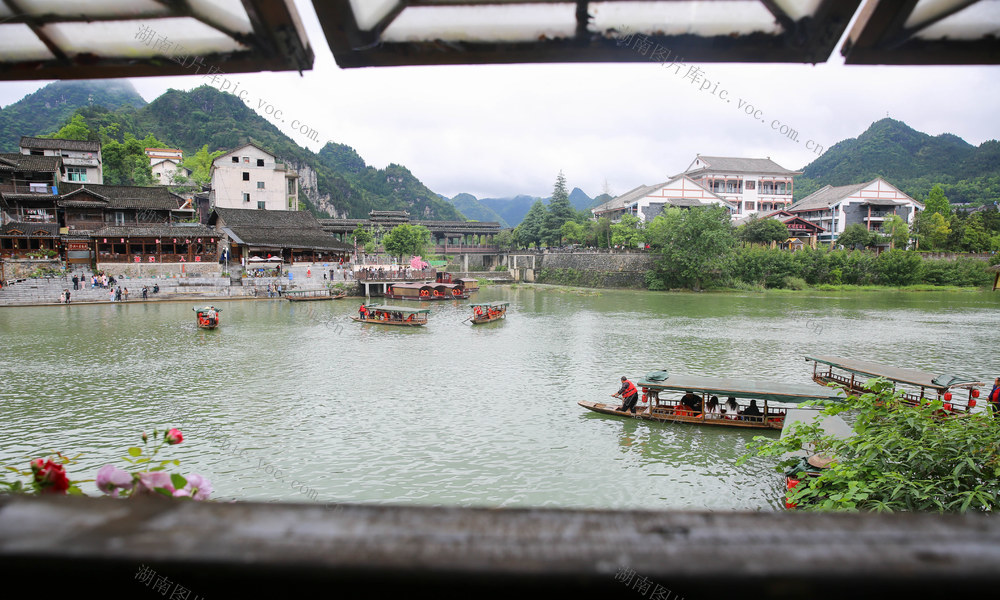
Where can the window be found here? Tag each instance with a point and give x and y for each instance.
(236, 159)
(119, 218)
(751, 185)
(291, 204)
(246, 175)
(291, 186)
(246, 196)
(260, 162)
(260, 205)
(76, 173)
(246, 159)
(260, 185)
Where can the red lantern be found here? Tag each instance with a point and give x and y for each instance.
(947, 406)
(972, 403)
(123, 240)
(947, 396)
(975, 393)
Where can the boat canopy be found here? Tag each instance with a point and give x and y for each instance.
(491, 304)
(742, 388)
(206, 309)
(913, 377)
(399, 309)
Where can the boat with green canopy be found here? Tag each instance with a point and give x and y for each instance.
(717, 402)
(487, 312)
(385, 314)
(852, 374)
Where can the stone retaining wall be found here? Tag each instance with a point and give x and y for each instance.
(22, 268)
(191, 269)
(611, 270)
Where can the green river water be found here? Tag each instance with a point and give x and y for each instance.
(294, 402)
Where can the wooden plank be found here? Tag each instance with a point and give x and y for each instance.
(261, 550)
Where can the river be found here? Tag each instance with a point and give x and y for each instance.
(294, 402)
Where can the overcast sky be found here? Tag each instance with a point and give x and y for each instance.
(509, 129)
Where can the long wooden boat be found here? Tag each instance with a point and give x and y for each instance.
(488, 312)
(309, 295)
(207, 317)
(852, 375)
(384, 314)
(426, 290)
(665, 398)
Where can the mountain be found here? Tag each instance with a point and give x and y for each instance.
(511, 210)
(473, 209)
(335, 182)
(911, 160)
(580, 200)
(46, 110)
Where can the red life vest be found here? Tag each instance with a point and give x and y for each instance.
(995, 396)
(630, 389)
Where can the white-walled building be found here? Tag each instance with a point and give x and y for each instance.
(165, 164)
(834, 208)
(251, 177)
(81, 158)
(647, 201)
(752, 184)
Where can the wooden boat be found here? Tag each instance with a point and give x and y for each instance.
(852, 375)
(426, 290)
(384, 314)
(207, 317)
(309, 295)
(488, 312)
(662, 400)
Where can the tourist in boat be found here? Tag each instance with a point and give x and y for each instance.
(362, 311)
(629, 395)
(752, 410)
(712, 408)
(994, 396)
(691, 401)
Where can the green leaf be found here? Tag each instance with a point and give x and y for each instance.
(135, 451)
(163, 491)
(178, 481)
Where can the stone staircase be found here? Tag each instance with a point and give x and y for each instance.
(47, 290)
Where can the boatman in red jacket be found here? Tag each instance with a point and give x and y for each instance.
(629, 395)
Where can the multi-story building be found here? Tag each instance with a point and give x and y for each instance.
(165, 164)
(81, 159)
(251, 177)
(834, 208)
(752, 185)
(647, 201)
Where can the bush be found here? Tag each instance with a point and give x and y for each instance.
(898, 267)
(961, 272)
(795, 283)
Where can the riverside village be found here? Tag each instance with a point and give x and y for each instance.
(593, 299)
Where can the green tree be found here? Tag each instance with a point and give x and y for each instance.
(406, 240)
(627, 232)
(937, 202)
(532, 227)
(200, 164)
(694, 243)
(75, 129)
(762, 231)
(559, 211)
(933, 230)
(600, 232)
(361, 236)
(898, 267)
(898, 231)
(901, 457)
(857, 236)
(975, 237)
(126, 163)
(504, 239)
(572, 232)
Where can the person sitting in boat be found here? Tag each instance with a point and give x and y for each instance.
(691, 401)
(732, 408)
(712, 408)
(752, 410)
(629, 395)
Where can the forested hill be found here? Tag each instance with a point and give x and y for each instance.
(335, 182)
(912, 161)
(46, 110)
(472, 208)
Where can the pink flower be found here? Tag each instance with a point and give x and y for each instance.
(198, 488)
(173, 437)
(110, 478)
(144, 438)
(149, 482)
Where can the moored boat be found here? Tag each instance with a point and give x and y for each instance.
(687, 399)
(488, 312)
(207, 317)
(384, 314)
(309, 295)
(852, 375)
(426, 290)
